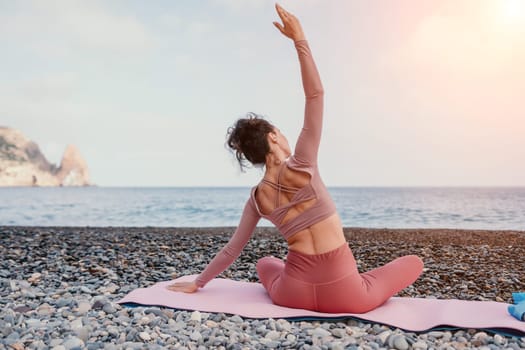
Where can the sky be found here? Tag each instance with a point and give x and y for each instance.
(417, 93)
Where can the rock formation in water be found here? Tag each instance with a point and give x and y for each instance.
(23, 164)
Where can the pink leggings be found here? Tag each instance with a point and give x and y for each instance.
(330, 282)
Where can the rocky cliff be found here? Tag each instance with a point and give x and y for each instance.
(23, 164)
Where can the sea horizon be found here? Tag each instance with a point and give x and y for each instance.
(454, 207)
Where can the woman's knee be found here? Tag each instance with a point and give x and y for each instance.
(411, 266)
(269, 268)
(403, 270)
(268, 263)
(415, 263)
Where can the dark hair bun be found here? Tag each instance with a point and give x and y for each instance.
(247, 139)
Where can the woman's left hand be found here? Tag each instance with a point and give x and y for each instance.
(291, 26)
(186, 287)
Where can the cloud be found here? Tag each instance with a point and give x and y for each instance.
(62, 26)
(58, 86)
(175, 23)
(47, 95)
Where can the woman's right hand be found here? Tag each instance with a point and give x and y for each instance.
(186, 287)
(291, 26)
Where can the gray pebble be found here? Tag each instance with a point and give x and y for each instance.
(320, 332)
(420, 345)
(83, 307)
(22, 309)
(196, 316)
(33, 323)
(272, 344)
(156, 312)
(98, 305)
(86, 290)
(83, 333)
(514, 346)
(339, 346)
(273, 335)
(291, 338)
(132, 334)
(73, 343)
(95, 346)
(144, 336)
(75, 324)
(400, 342)
(45, 310)
(195, 336)
(480, 335)
(283, 325)
(55, 342)
(13, 336)
(350, 340)
(383, 336)
(63, 302)
(236, 319)
(339, 332)
(435, 334)
(109, 308)
(499, 340)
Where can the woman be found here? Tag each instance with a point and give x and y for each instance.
(320, 271)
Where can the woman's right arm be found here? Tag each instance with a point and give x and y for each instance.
(227, 255)
(234, 247)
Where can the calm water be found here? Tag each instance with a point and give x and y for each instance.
(392, 207)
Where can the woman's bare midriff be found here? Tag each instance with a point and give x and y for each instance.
(322, 237)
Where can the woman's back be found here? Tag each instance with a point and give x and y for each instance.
(278, 190)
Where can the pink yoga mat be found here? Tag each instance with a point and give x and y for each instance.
(250, 300)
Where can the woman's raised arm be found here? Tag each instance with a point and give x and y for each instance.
(307, 146)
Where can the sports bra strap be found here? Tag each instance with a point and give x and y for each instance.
(280, 187)
(284, 188)
(278, 198)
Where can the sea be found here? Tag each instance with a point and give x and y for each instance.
(484, 208)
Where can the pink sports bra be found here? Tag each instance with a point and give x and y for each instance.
(322, 208)
(304, 159)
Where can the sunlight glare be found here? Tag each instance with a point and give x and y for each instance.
(514, 11)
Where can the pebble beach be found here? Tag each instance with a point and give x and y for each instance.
(59, 287)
